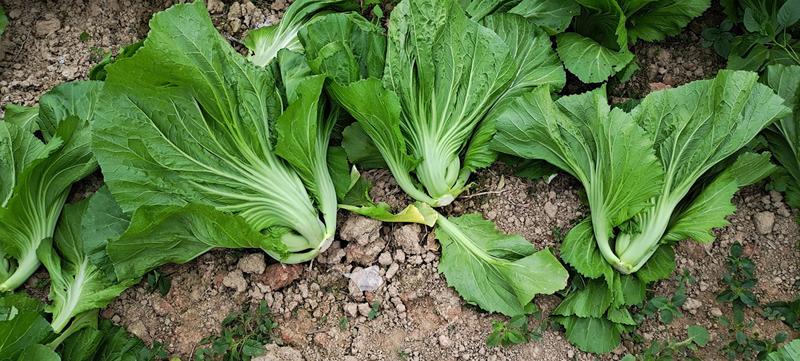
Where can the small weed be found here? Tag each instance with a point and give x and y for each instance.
(344, 323)
(244, 334)
(158, 281)
(403, 355)
(667, 307)
(558, 234)
(97, 55)
(697, 337)
(84, 37)
(374, 311)
(513, 332)
(788, 312)
(745, 346)
(740, 279)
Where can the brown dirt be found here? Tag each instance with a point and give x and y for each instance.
(420, 317)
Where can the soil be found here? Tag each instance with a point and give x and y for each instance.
(321, 316)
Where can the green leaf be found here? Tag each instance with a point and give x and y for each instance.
(25, 329)
(661, 18)
(595, 335)
(698, 334)
(588, 60)
(159, 235)
(24, 117)
(264, 43)
(39, 353)
(43, 174)
(783, 137)
(345, 47)
(579, 249)
(419, 212)
(497, 272)
(360, 148)
(659, 267)
(552, 15)
(709, 209)
(621, 316)
(82, 345)
(590, 301)
(3, 21)
(78, 284)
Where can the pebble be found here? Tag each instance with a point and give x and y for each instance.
(764, 221)
(550, 209)
(235, 280)
(351, 309)
(364, 309)
(252, 263)
(46, 27)
(385, 259)
(392, 271)
(444, 341)
(716, 312)
(407, 238)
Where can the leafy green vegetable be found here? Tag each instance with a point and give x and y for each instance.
(81, 276)
(35, 177)
(765, 36)
(226, 142)
(784, 136)
(666, 171)
(265, 42)
(426, 114)
(597, 48)
(429, 113)
(244, 334)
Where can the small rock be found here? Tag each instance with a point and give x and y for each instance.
(716, 312)
(138, 329)
(252, 263)
(162, 307)
(444, 341)
(215, 6)
(764, 222)
(367, 279)
(278, 276)
(235, 280)
(364, 309)
(692, 304)
(364, 255)
(278, 5)
(46, 27)
(351, 309)
(392, 271)
(550, 209)
(361, 230)
(385, 259)
(399, 256)
(407, 237)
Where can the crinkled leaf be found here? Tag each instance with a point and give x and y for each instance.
(590, 301)
(659, 266)
(497, 272)
(596, 335)
(588, 60)
(661, 18)
(24, 117)
(784, 136)
(552, 15)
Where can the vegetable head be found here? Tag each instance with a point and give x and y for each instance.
(187, 120)
(666, 171)
(429, 111)
(35, 177)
